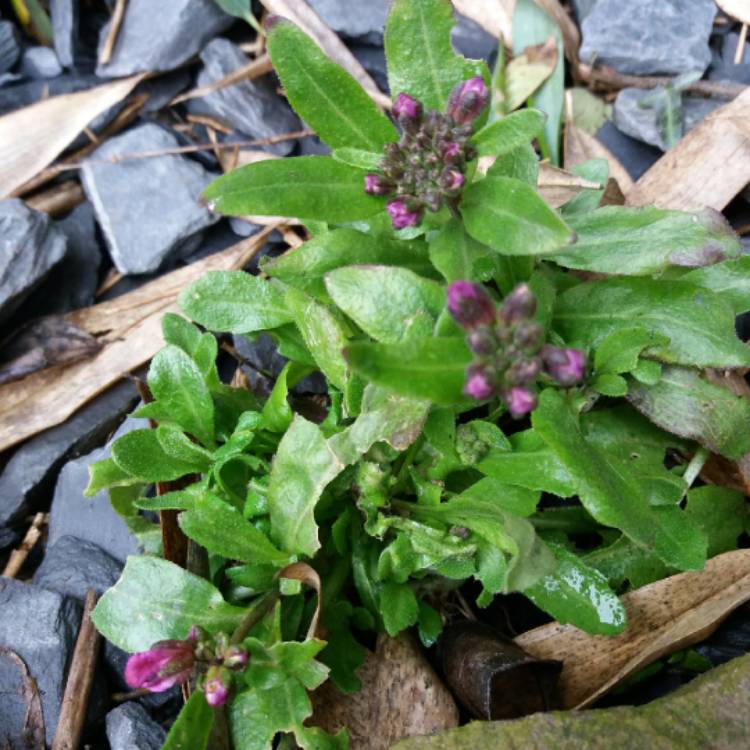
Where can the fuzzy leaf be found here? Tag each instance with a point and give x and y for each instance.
(730, 279)
(192, 728)
(511, 131)
(458, 256)
(398, 606)
(140, 454)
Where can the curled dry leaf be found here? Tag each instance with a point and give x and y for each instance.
(708, 167)
(31, 137)
(401, 697)
(306, 574)
(663, 617)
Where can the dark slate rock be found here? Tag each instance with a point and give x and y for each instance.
(23, 94)
(250, 107)
(313, 146)
(162, 89)
(372, 58)
(41, 627)
(159, 36)
(30, 246)
(29, 475)
(72, 566)
(40, 62)
(10, 48)
(92, 519)
(354, 19)
(146, 225)
(582, 8)
(471, 40)
(243, 227)
(641, 122)
(129, 727)
(64, 17)
(643, 37)
(723, 67)
(634, 155)
(8, 78)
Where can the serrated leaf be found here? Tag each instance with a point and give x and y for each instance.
(730, 279)
(140, 454)
(421, 60)
(643, 241)
(511, 131)
(235, 302)
(610, 385)
(521, 163)
(722, 513)
(509, 216)
(699, 325)
(398, 607)
(324, 95)
(305, 187)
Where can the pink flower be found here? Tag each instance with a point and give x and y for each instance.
(376, 185)
(520, 401)
(566, 366)
(165, 664)
(478, 385)
(400, 214)
(216, 687)
(470, 305)
(467, 100)
(451, 152)
(406, 109)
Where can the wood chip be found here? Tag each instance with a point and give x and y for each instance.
(580, 147)
(494, 16)
(32, 137)
(663, 617)
(708, 167)
(129, 327)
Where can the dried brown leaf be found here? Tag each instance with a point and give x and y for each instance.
(309, 576)
(401, 697)
(33, 730)
(580, 147)
(708, 167)
(739, 9)
(31, 137)
(494, 16)
(663, 617)
(557, 186)
(526, 72)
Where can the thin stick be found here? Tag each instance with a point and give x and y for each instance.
(114, 30)
(59, 199)
(80, 679)
(740, 51)
(18, 556)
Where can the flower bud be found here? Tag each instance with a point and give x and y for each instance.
(520, 401)
(528, 336)
(400, 214)
(519, 304)
(376, 185)
(566, 366)
(479, 383)
(407, 110)
(467, 100)
(482, 342)
(470, 305)
(453, 180)
(216, 687)
(451, 153)
(523, 371)
(235, 657)
(165, 664)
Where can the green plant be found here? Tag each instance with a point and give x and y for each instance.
(438, 301)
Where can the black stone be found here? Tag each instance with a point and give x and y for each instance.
(723, 67)
(363, 20)
(162, 89)
(372, 58)
(160, 36)
(10, 48)
(72, 566)
(40, 62)
(129, 727)
(64, 17)
(19, 95)
(249, 107)
(29, 475)
(30, 246)
(634, 155)
(473, 41)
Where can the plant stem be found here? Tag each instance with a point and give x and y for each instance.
(254, 616)
(697, 462)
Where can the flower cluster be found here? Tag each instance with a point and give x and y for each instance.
(426, 168)
(508, 346)
(169, 663)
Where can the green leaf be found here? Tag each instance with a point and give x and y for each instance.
(611, 494)
(610, 385)
(235, 302)
(699, 325)
(511, 131)
(645, 241)
(519, 501)
(324, 95)
(304, 464)
(387, 302)
(356, 157)
(619, 352)
(277, 413)
(421, 60)
(140, 454)
(192, 728)
(323, 333)
(305, 187)
(156, 600)
(424, 368)
(722, 513)
(595, 170)
(430, 624)
(509, 216)
(457, 255)
(398, 606)
(684, 403)
(730, 279)
(179, 446)
(521, 163)
(178, 386)
(105, 474)
(578, 594)
(623, 563)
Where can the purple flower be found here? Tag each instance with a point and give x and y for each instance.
(519, 304)
(520, 401)
(451, 152)
(400, 214)
(376, 185)
(454, 180)
(165, 664)
(407, 110)
(467, 100)
(478, 384)
(216, 687)
(235, 657)
(566, 366)
(470, 305)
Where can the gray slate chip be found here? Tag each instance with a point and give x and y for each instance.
(41, 627)
(71, 566)
(40, 62)
(10, 48)
(64, 18)
(30, 473)
(471, 40)
(162, 35)
(129, 727)
(30, 246)
(644, 37)
(147, 207)
(363, 20)
(250, 107)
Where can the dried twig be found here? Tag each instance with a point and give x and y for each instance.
(109, 45)
(80, 679)
(18, 556)
(59, 199)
